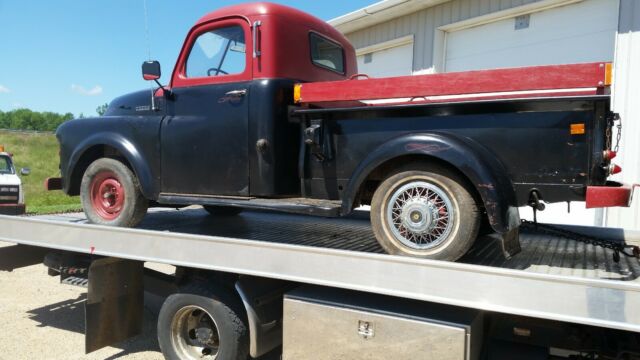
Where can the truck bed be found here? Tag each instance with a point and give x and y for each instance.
(552, 278)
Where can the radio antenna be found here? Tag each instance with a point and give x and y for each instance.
(148, 41)
(146, 29)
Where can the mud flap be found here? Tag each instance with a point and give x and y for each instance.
(510, 242)
(262, 299)
(115, 301)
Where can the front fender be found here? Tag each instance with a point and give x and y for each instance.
(126, 148)
(481, 168)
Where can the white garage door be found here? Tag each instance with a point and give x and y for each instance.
(575, 33)
(389, 61)
(580, 32)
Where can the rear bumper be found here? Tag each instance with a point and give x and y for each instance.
(12, 209)
(612, 195)
(53, 183)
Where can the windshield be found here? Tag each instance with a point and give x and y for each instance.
(6, 167)
(217, 53)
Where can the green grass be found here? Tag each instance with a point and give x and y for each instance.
(39, 152)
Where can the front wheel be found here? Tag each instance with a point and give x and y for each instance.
(428, 212)
(111, 195)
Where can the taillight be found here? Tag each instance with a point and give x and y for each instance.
(614, 169)
(609, 155)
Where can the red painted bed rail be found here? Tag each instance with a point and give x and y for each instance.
(537, 81)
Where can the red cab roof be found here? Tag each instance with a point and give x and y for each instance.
(283, 40)
(258, 9)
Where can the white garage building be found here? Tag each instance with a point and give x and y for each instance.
(404, 37)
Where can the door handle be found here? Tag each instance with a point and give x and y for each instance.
(237, 93)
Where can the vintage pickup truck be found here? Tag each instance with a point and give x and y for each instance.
(265, 109)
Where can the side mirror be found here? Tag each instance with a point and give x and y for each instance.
(151, 70)
(25, 171)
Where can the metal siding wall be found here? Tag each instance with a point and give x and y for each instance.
(423, 24)
(626, 93)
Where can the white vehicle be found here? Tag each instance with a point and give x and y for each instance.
(11, 191)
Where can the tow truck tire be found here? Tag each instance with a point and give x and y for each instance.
(110, 194)
(201, 322)
(425, 211)
(222, 210)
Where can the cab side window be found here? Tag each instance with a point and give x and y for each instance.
(326, 54)
(217, 52)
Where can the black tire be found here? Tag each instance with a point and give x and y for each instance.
(450, 241)
(133, 207)
(222, 210)
(222, 306)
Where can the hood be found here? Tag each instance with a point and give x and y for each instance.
(10, 179)
(133, 104)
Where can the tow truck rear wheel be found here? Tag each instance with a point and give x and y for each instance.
(110, 194)
(203, 322)
(222, 210)
(426, 211)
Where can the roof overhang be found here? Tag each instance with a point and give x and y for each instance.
(380, 12)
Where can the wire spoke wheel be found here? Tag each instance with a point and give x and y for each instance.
(420, 215)
(426, 211)
(194, 334)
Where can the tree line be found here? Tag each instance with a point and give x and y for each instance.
(25, 119)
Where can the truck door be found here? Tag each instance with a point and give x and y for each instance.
(204, 143)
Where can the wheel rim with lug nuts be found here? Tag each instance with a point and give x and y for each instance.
(420, 215)
(194, 334)
(107, 195)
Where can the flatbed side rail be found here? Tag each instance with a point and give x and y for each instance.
(512, 83)
(609, 304)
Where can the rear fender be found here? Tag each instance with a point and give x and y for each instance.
(123, 146)
(480, 167)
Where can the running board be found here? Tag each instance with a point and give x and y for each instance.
(317, 207)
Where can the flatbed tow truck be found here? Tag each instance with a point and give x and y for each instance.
(315, 288)
(305, 287)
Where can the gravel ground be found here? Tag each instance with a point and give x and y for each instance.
(41, 319)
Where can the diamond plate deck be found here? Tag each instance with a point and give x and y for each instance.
(540, 253)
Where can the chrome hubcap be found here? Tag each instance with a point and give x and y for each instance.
(420, 215)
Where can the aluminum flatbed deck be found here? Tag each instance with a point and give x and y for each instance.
(552, 278)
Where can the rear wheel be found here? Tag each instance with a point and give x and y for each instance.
(203, 322)
(111, 195)
(222, 210)
(425, 212)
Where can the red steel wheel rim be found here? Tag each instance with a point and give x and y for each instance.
(107, 195)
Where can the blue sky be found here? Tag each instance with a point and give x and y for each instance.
(73, 55)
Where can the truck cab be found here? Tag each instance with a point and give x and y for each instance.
(230, 91)
(11, 190)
